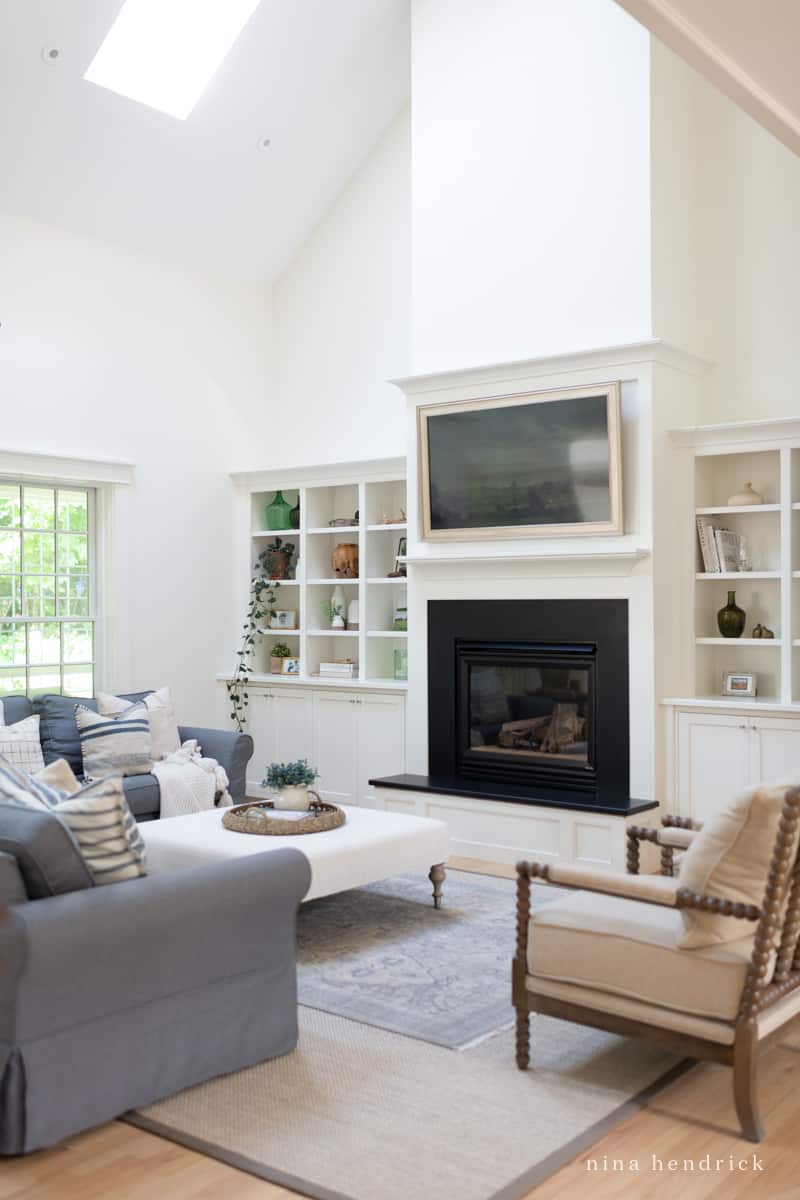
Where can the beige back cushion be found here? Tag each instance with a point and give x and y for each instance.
(730, 858)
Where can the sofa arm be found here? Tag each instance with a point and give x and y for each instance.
(232, 751)
(88, 954)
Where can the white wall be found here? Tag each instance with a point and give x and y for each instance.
(726, 244)
(342, 321)
(106, 353)
(531, 179)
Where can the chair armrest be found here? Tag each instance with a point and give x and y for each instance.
(231, 749)
(84, 955)
(650, 889)
(672, 821)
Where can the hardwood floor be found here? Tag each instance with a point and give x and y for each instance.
(691, 1119)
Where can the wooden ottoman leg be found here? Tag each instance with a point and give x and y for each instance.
(523, 1039)
(437, 876)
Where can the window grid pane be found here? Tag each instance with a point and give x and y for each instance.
(46, 623)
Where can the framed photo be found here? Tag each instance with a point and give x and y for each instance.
(739, 683)
(283, 618)
(291, 666)
(536, 464)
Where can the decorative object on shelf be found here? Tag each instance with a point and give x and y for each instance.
(277, 514)
(283, 618)
(292, 782)
(728, 549)
(762, 631)
(294, 515)
(401, 663)
(278, 653)
(399, 571)
(534, 465)
(343, 522)
(353, 618)
(745, 563)
(745, 497)
(260, 607)
(337, 668)
(335, 608)
(731, 618)
(259, 817)
(278, 556)
(400, 622)
(344, 560)
(739, 683)
(387, 520)
(291, 666)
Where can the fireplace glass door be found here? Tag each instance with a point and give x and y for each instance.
(527, 710)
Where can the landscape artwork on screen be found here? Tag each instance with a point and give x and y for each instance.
(540, 465)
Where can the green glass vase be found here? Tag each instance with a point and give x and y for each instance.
(277, 514)
(731, 618)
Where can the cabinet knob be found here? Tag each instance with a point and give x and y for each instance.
(743, 727)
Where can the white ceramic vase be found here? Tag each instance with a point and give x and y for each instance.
(297, 797)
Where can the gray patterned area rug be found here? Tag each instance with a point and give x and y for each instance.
(382, 955)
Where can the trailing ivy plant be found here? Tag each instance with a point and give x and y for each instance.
(261, 607)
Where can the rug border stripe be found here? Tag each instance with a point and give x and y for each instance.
(517, 1189)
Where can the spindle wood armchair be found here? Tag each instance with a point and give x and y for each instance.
(770, 995)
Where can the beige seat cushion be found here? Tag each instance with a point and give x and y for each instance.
(730, 858)
(631, 949)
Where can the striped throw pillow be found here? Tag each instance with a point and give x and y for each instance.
(20, 744)
(17, 786)
(104, 827)
(117, 745)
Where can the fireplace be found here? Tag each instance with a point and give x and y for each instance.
(530, 697)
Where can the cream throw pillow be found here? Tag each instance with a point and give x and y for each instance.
(59, 774)
(164, 736)
(20, 744)
(730, 858)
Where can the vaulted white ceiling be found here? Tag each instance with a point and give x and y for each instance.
(749, 48)
(320, 78)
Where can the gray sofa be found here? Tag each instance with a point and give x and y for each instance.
(59, 737)
(114, 997)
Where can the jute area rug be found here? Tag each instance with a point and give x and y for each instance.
(359, 1113)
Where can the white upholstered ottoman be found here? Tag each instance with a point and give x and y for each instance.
(369, 846)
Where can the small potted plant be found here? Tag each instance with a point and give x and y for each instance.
(277, 559)
(277, 654)
(333, 611)
(292, 782)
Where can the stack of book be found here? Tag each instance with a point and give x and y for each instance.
(340, 668)
(721, 549)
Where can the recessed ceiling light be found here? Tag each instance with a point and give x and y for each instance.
(51, 55)
(264, 143)
(164, 52)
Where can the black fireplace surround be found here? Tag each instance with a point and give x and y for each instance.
(528, 704)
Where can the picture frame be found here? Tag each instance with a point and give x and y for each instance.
(290, 666)
(522, 465)
(283, 618)
(739, 683)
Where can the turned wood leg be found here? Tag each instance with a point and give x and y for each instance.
(437, 877)
(523, 1039)
(745, 1094)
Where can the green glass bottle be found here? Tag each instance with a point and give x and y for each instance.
(277, 514)
(731, 618)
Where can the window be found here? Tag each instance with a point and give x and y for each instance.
(46, 596)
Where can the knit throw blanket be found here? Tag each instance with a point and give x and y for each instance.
(190, 783)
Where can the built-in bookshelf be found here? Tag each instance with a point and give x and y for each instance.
(765, 454)
(369, 501)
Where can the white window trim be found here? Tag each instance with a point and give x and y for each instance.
(111, 481)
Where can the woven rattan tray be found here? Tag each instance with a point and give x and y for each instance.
(321, 817)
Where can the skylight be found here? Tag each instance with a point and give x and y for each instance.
(164, 52)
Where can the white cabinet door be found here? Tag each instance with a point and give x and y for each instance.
(335, 746)
(775, 748)
(713, 761)
(261, 727)
(381, 741)
(292, 720)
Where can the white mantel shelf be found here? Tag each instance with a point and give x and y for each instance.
(600, 558)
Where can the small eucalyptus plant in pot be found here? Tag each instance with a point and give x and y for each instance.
(277, 654)
(292, 782)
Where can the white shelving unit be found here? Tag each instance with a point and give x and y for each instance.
(367, 493)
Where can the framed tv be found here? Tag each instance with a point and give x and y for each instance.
(538, 464)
